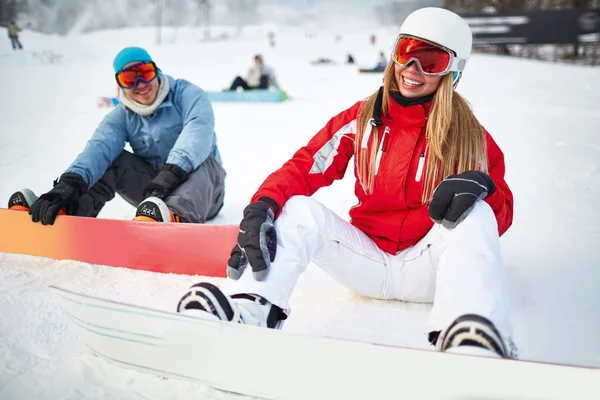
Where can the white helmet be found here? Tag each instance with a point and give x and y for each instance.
(440, 26)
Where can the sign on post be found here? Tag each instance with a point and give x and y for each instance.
(535, 27)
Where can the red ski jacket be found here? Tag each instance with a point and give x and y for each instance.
(393, 215)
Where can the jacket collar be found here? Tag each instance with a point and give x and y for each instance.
(411, 112)
(164, 99)
(406, 102)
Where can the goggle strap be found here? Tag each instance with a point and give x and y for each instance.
(457, 64)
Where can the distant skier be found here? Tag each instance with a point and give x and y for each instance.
(260, 76)
(271, 36)
(432, 203)
(13, 35)
(174, 173)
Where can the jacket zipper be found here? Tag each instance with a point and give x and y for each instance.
(386, 134)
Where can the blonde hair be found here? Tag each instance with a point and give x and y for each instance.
(455, 139)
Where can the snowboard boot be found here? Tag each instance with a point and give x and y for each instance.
(474, 335)
(207, 301)
(21, 200)
(154, 209)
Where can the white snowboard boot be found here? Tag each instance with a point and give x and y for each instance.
(474, 335)
(205, 300)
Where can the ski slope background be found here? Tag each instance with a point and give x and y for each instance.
(545, 117)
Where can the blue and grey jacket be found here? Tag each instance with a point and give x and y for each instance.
(180, 131)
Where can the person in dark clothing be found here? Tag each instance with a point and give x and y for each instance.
(259, 76)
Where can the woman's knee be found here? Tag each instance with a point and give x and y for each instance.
(301, 211)
(481, 218)
(483, 212)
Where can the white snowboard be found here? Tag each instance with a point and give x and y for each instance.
(279, 365)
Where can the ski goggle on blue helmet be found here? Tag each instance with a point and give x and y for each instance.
(129, 77)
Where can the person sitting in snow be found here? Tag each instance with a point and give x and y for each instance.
(260, 76)
(381, 64)
(432, 203)
(174, 173)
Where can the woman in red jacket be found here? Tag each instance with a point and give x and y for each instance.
(432, 203)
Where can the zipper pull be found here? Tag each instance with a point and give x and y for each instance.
(420, 167)
(386, 134)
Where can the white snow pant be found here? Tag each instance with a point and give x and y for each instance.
(459, 270)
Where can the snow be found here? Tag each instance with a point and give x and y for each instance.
(544, 116)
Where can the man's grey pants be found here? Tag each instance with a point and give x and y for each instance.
(198, 199)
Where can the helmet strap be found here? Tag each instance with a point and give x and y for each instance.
(456, 78)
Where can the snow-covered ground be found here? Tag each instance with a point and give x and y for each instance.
(544, 116)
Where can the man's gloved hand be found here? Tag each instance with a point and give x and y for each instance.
(456, 195)
(256, 243)
(65, 195)
(169, 177)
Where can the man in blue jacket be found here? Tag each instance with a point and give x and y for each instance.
(174, 173)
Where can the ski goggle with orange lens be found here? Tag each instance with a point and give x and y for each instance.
(431, 59)
(128, 78)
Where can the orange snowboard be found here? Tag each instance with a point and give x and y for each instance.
(190, 249)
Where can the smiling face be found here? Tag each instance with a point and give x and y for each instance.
(143, 93)
(413, 84)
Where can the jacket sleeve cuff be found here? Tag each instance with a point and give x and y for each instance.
(181, 162)
(177, 171)
(75, 180)
(271, 203)
(495, 200)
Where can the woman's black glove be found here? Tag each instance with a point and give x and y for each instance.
(257, 241)
(456, 195)
(65, 195)
(169, 177)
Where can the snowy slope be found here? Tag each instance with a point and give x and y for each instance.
(544, 116)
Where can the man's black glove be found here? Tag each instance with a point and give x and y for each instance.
(456, 195)
(65, 195)
(257, 241)
(169, 177)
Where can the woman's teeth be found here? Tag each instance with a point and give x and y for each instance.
(410, 82)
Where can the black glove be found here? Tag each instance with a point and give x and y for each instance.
(65, 195)
(168, 178)
(456, 195)
(257, 241)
